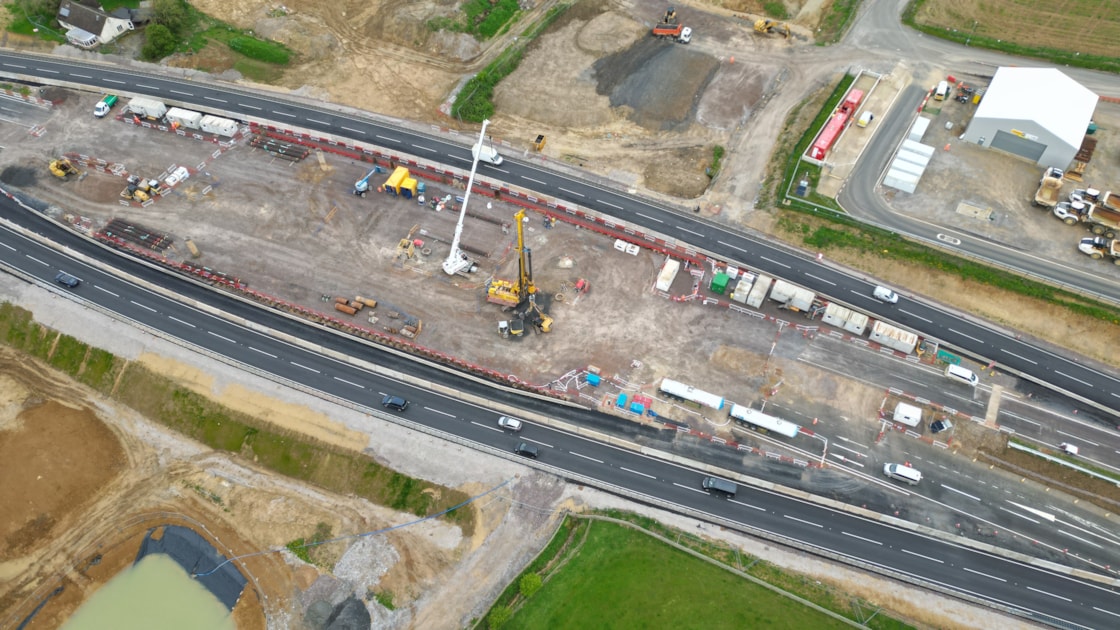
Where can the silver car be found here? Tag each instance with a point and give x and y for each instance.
(513, 424)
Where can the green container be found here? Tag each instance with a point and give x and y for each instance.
(1092, 128)
(719, 283)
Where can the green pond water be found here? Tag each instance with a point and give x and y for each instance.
(154, 593)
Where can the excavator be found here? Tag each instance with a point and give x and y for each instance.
(62, 168)
(521, 296)
(772, 26)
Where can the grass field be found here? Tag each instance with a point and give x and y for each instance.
(621, 578)
(1089, 27)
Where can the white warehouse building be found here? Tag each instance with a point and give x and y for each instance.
(1035, 113)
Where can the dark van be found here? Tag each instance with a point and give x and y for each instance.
(715, 485)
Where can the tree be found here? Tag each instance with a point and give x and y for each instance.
(530, 583)
(159, 42)
(498, 617)
(174, 14)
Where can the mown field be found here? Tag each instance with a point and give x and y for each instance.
(1082, 26)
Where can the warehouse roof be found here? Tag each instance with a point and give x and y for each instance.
(1043, 95)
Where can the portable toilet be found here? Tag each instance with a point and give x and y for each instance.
(621, 402)
(719, 283)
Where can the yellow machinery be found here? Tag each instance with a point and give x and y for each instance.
(538, 144)
(520, 296)
(772, 26)
(62, 168)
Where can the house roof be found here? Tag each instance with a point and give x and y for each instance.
(1045, 96)
(87, 16)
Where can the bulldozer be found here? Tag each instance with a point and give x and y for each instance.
(521, 296)
(772, 26)
(62, 168)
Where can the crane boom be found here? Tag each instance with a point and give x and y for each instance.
(457, 261)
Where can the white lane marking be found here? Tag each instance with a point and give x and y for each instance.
(185, 323)
(284, 114)
(1075, 537)
(8, 246)
(440, 412)
(775, 262)
(320, 122)
(487, 426)
(1022, 516)
(794, 518)
(951, 489)
(37, 260)
(586, 457)
(309, 369)
(387, 138)
(114, 81)
(535, 181)
(249, 106)
(1022, 358)
(1116, 394)
(1073, 378)
(735, 247)
(921, 556)
(428, 149)
(572, 192)
(183, 93)
(1107, 612)
(211, 332)
(353, 130)
(1031, 588)
(267, 354)
(216, 100)
(534, 441)
(684, 229)
(48, 70)
(81, 76)
(143, 306)
(753, 507)
(636, 472)
(1076, 437)
(1021, 418)
(821, 279)
(984, 574)
(964, 335)
(147, 87)
(646, 216)
(689, 488)
(342, 380)
(14, 65)
(874, 542)
(100, 288)
(928, 321)
(607, 203)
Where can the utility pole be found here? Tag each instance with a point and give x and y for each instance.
(457, 261)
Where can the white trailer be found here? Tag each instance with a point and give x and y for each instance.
(894, 338)
(218, 126)
(668, 274)
(792, 296)
(746, 415)
(149, 108)
(184, 117)
(743, 288)
(758, 291)
(846, 318)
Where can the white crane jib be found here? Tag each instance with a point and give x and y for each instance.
(457, 261)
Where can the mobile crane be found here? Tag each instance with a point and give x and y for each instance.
(521, 296)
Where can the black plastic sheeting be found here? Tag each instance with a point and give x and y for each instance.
(197, 556)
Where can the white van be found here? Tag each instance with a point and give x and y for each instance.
(961, 375)
(906, 474)
(942, 91)
(883, 294)
(486, 153)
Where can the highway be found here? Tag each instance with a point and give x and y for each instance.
(975, 339)
(1031, 591)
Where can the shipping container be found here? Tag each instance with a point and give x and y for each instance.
(719, 283)
(758, 291)
(845, 318)
(218, 126)
(792, 296)
(668, 274)
(184, 118)
(906, 414)
(147, 107)
(894, 338)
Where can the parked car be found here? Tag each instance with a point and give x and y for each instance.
(67, 280)
(940, 425)
(513, 424)
(394, 402)
(527, 450)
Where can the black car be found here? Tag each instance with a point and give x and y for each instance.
(67, 280)
(394, 402)
(940, 425)
(527, 450)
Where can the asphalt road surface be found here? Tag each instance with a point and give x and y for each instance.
(1031, 591)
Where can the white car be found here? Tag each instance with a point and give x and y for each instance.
(513, 424)
(883, 294)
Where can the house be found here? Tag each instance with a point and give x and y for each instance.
(88, 25)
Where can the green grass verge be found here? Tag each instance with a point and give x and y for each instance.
(202, 419)
(482, 18)
(797, 170)
(1054, 55)
(836, 20)
(1070, 459)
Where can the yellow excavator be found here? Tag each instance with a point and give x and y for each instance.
(62, 168)
(772, 26)
(521, 296)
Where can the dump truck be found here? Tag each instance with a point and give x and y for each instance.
(101, 109)
(772, 26)
(1100, 220)
(148, 108)
(668, 26)
(1098, 247)
(1049, 188)
(1108, 200)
